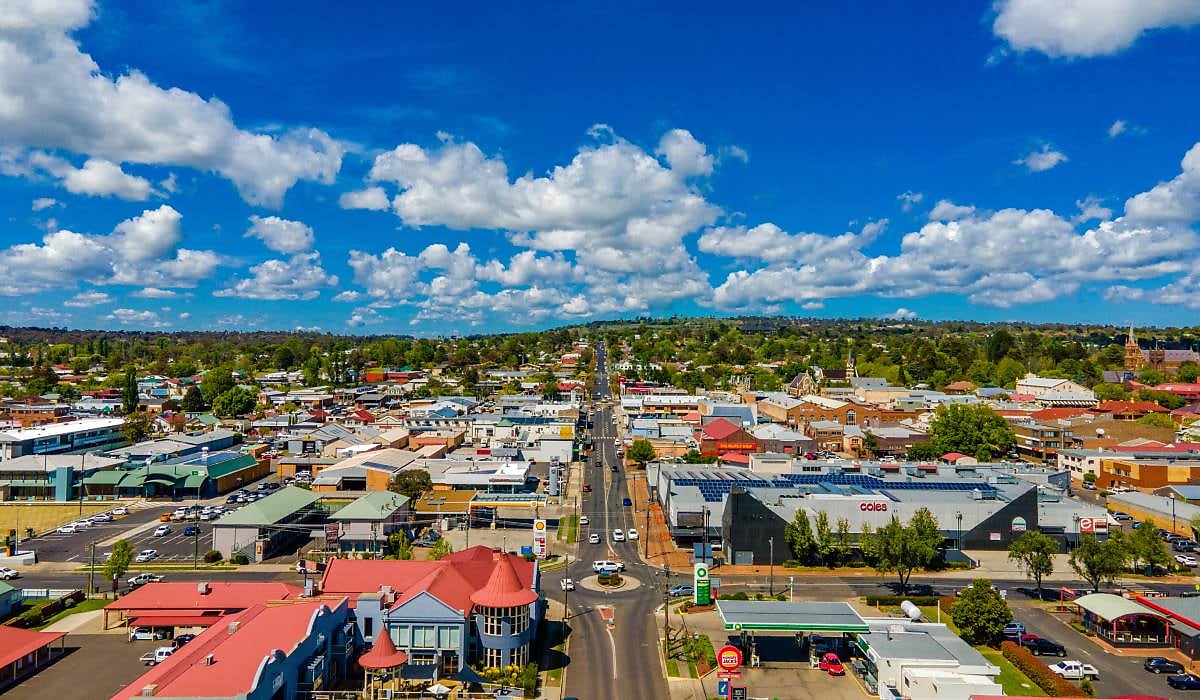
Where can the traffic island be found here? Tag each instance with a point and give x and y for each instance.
(611, 582)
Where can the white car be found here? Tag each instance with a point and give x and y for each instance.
(120, 510)
(146, 555)
(1185, 559)
(102, 518)
(68, 529)
(618, 536)
(603, 564)
(594, 538)
(632, 534)
(7, 574)
(1075, 670)
(162, 530)
(567, 584)
(583, 520)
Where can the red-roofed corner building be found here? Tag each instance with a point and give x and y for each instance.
(720, 436)
(23, 652)
(474, 605)
(280, 651)
(192, 604)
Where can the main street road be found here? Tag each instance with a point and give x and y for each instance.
(621, 662)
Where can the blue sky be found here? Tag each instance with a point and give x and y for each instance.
(413, 169)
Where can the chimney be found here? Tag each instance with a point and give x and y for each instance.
(209, 660)
(149, 690)
(203, 588)
(233, 626)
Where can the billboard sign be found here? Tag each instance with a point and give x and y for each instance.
(702, 594)
(729, 658)
(1019, 524)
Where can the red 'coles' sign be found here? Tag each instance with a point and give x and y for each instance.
(729, 657)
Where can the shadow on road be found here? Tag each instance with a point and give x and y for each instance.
(555, 633)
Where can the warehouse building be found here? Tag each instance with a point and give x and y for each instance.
(269, 527)
(70, 437)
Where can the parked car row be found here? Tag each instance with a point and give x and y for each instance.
(90, 521)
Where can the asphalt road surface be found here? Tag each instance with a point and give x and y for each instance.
(75, 548)
(621, 661)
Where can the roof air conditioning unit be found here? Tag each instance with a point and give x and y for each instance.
(233, 626)
(977, 494)
(203, 588)
(149, 691)
(209, 660)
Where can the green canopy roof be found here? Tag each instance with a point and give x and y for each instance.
(133, 480)
(1110, 607)
(805, 616)
(376, 505)
(110, 477)
(273, 508)
(195, 481)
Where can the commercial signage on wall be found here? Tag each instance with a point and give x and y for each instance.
(1018, 524)
(702, 587)
(1093, 525)
(873, 506)
(750, 446)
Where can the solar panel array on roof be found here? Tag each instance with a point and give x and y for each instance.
(715, 485)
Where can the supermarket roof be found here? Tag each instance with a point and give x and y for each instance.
(806, 616)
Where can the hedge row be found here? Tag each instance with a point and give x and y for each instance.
(1038, 672)
(35, 617)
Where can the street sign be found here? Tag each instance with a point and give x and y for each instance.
(727, 675)
(701, 587)
(738, 693)
(723, 688)
(729, 658)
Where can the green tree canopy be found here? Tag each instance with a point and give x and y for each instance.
(904, 548)
(641, 451)
(972, 429)
(440, 549)
(137, 426)
(398, 546)
(413, 483)
(1034, 552)
(1149, 550)
(193, 400)
(238, 401)
(799, 536)
(1099, 562)
(129, 392)
(216, 381)
(119, 560)
(981, 613)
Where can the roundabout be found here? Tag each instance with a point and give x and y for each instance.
(592, 583)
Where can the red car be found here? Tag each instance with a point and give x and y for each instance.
(587, 488)
(831, 663)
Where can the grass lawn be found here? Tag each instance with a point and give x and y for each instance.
(1011, 679)
(568, 528)
(672, 664)
(85, 606)
(44, 516)
(26, 606)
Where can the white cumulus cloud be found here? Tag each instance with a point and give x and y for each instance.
(281, 235)
(1084, 28)
(1043, 159)
(300, 277)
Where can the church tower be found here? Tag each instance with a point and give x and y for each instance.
(1133, 353)
(851, 371)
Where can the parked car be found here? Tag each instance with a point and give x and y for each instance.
(1040, 646)
(191, 530)
(102, 518)
(183, 639)
(157, 656)
(681, 589)
(68, 529)
(831, 664)
(1184, 681)
(144, 578)
(1118, 515)
(146, 555)
(1013, 630)
(1185, 559)
(583, 520)
(632, 533)
(1075, 670)
(146, 634)
(1159, 664)
(594, 538)
(587, 488)
(7, 574)
(607, 565)
(162, 530)
(120, 510)
(618, 535)
(567, 584)
(626, 502)
(1089, 485)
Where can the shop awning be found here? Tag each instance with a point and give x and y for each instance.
(174, 620)
(1107, 606)
(105, 478)
(419, 672)
(195, 481)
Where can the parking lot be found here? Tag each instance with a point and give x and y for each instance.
(75, 547)
(95, 666)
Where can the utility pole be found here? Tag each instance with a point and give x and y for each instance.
(771, 575)
(666, 605)
(577, 519)
(92, 568)
(646, 532)
(566, 595)
(196, 547)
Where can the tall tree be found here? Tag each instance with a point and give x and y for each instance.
(238, 401)
(137, 426)
(413, 483)
(1034, 552)
(1147, 548)
(904, 548)
(826, 544)
(129, 394)
(216, 381)
(799, 536)
(119, 560)
(972, 429)
(193, 400)
(1099, 562)
(981, 613)
(641, 451)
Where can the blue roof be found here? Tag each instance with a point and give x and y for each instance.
(714, 490)
(1189, 493)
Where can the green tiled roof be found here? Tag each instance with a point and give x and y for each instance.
(195, 481)
(376, 505)
(273, 508)
(109, 477)
(229, 466)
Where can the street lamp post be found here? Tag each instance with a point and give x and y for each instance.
(771, 575)
(1172, 513)
(958, 515)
